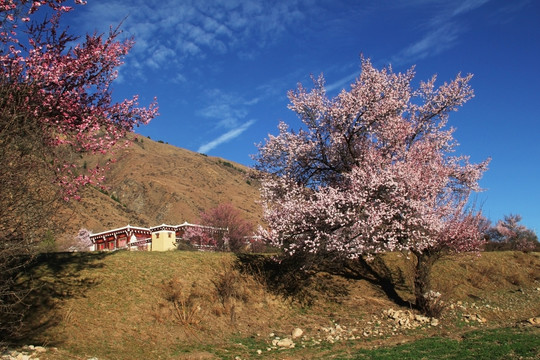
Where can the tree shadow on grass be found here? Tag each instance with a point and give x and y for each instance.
(303, 276)
(377, 273)
(290, 277)
(48, 281)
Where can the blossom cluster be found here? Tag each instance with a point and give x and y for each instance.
(67, 82)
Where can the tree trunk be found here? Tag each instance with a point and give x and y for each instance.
(422, 278)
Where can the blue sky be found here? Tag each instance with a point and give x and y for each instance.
(221, 70)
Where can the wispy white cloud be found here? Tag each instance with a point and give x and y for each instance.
(342, 83)
(169, 33)
(507, 12)
(433, 43)
(226, 137)
(227, 111)
(227, 114)
(468, 5)
(441, 33)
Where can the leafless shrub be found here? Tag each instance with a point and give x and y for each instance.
(230, 286)
(185, 301)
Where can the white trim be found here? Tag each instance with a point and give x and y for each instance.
(119, 229)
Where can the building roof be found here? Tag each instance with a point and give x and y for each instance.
(122, 229)
(136, 229)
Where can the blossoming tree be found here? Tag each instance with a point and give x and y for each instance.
(226, 216)
(64, 90)
(200, 237)
(55, 104)
(509, 234)
(372, 170)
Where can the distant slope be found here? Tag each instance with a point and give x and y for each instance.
(151, 183)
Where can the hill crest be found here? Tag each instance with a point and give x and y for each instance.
(152, 183)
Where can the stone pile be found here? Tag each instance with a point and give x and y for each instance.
(28, 352)
(335, 333)
(390, 322)
(473, 317)
(405, 319)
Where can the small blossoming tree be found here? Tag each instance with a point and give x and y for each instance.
(83, 241)
(372, 170)
(200, 237)
(509, 234)
(237, 229)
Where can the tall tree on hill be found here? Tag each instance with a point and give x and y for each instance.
(55, 104)
(372, 171)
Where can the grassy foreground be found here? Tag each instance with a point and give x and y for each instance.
(193, 305)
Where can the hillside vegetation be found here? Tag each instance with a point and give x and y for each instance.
(151, 183)
(195, 305)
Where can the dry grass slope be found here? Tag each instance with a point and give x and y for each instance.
(152, 183)
(189, 305)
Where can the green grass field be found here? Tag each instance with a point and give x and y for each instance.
(503, 343)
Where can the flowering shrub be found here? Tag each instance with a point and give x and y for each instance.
(200, 237)
(237, 230)
(82, 240)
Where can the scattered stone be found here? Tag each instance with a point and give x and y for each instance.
(259, 352)
(422, 319)
(406, 320)
(330, 339)
(27, 352)
(474, 317)
(296, 333)
(285, 343)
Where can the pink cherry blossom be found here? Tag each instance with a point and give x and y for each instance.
(372, 170)
(69, 87)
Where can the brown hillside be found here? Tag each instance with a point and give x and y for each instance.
(200, 305)
(152, 183)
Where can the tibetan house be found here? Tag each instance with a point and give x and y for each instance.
(161, 238)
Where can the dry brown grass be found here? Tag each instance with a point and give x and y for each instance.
(153, 183)
(122, 305)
